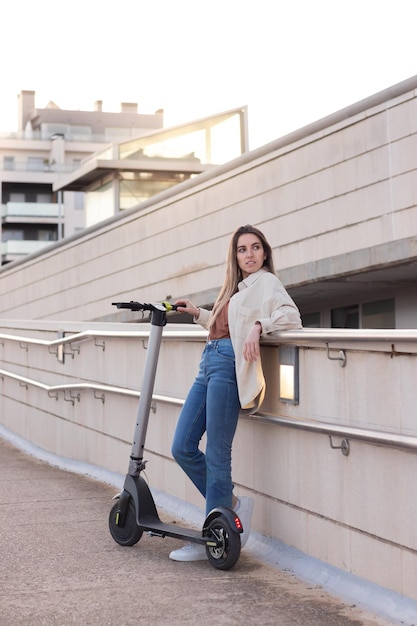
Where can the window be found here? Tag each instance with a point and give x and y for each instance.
(8, 162)
(12, 235)
(16, 196)
(35, 163)
(311, 320)
(345, 317)
(79, 200)
(82, 133)
(44, 198)
(379, 314)
(117, 134)
(47, 235)
(48, 130)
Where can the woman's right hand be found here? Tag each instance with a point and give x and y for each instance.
(186, 306)
(251, 348)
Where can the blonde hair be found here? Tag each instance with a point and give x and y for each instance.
(233, 272)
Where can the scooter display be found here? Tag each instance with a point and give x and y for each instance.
(135, 511)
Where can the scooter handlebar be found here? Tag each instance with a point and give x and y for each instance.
(133, 306)
(145, 306)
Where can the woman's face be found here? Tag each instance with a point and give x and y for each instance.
(250, 254)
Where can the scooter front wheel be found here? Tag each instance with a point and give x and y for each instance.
(129, 532)
(227, 553)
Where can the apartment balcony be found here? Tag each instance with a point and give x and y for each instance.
(77, 135)
(30, 212)
(15, 249)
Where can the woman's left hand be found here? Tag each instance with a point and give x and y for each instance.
(251, 349)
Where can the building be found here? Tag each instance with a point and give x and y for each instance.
(65, 170)
(127, 173)
(50, 143)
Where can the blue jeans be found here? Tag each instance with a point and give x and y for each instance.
(212, 406)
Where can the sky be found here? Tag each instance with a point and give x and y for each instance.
(291, 62)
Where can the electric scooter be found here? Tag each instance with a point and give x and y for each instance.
(135, 512)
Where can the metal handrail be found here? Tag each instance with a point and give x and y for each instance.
(299, 337)
(370, 436)
(364, 434)
(103, 334)
(89, 386)
(328, 335)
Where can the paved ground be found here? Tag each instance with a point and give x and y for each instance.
(60, 566)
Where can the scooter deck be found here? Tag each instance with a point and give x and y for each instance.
(156, 527)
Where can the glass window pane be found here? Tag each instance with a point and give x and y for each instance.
(311, 320)
(16, 196)
(379, 314)
(35, 163)
(345, 317)
(8, 162)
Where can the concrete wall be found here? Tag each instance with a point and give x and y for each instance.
(356, 512)
(345, 186)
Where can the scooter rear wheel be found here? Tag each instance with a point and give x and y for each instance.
(226, 555)
(129, 533)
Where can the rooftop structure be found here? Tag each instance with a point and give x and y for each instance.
(65, 170)
(127, 173)
(49, 143)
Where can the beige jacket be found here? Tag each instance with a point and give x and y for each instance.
(261, 297)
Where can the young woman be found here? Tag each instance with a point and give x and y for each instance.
(251, 303)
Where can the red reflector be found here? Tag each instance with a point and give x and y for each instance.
(238, 524)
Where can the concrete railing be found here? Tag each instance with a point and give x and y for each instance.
(17, 248)
(30, 210)
(333, 475)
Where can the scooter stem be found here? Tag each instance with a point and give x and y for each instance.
(158, 321)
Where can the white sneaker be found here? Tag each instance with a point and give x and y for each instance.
(244, 509)
(190, 552)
